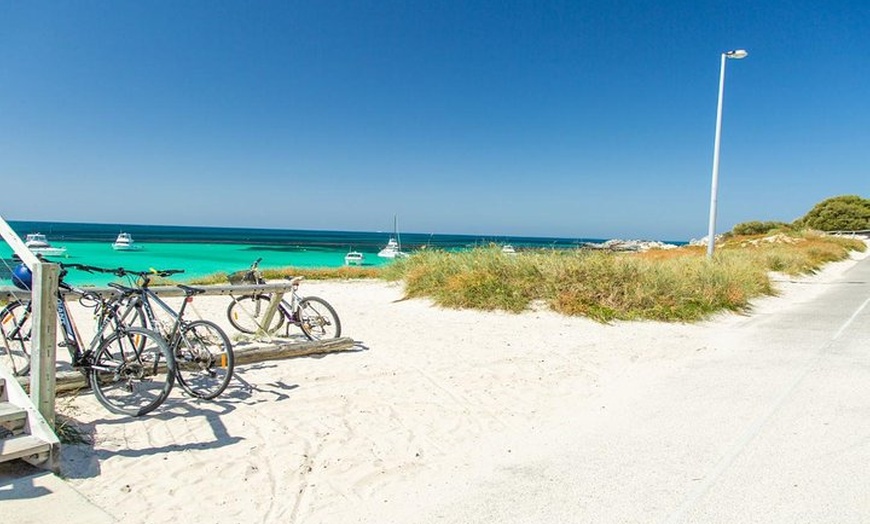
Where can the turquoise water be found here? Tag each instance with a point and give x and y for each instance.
(202, 251)
(196, 259)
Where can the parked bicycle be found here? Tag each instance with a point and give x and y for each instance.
(313, 315)
(130, 368)
(203, 352)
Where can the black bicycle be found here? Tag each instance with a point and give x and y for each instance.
(203, 352)
(130, 368)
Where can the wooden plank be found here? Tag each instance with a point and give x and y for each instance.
(71, 381)
(283, 350)
(10, 413)
(22, 446)
(8, 293)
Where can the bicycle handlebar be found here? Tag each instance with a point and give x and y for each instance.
(121, 272)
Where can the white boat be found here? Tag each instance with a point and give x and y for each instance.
(124, 242)
(393, 249)
(354, 258)
(38, 244)
(508, 249)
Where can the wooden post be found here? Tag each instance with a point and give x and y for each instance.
(44, 344)
(270, 313)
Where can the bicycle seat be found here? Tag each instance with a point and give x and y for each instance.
(190, 291)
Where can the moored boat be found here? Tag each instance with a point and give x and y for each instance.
(354, 258)
(124, 242)
(393, 249)
(38, 244)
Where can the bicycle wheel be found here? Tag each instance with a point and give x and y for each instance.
(246, 314)
(204, 359)
(318, 319)
(133, 371)
(16, 331)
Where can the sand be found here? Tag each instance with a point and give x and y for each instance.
(430, 400)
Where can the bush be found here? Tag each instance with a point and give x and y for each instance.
(759, 228)
(842, 213)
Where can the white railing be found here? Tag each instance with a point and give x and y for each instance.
(44, 343)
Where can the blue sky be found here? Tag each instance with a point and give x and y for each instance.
(570, 118)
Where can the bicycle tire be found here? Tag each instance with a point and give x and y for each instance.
(204, 359)
(318, 319)
(133, 372)
(16, 330)
(245, 313)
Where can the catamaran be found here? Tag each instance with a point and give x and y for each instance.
(393, 249)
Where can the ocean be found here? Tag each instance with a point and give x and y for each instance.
(202, 251)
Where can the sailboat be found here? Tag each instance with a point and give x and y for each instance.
(393, 249)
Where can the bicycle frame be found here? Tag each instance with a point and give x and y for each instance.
(144, 296)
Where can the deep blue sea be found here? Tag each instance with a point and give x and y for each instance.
(201, 251)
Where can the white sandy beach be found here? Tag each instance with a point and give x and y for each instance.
(431, 400)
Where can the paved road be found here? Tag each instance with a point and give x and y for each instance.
(769, 423)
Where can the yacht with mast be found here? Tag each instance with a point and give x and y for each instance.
(393, 249)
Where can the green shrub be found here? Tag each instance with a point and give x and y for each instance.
(842, 213)
(759, 228)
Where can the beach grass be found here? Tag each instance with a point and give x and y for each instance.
(668, 285)
(338, 273)
(674, 285)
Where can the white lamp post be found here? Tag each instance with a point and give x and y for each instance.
(711, 232)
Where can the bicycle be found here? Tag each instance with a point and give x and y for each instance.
(202, 350)
(130, 369)
(313, 315)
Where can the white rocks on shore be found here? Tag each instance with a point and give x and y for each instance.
(630, 245)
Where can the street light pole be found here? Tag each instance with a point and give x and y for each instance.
(711, 231)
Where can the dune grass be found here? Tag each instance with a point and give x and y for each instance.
(676, 285)
(667, 285)
(339, 273)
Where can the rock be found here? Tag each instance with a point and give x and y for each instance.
(630, 245)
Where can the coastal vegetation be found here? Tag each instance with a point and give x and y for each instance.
(668, 285)
(335, 273)
(842, 213)
(680, 284)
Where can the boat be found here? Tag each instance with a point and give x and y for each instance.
(354, 258)
(508, 249)
(38, 244)
(393, 249)
(124, 242)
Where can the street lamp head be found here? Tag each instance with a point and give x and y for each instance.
(737, 54)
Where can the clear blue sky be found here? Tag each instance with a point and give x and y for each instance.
(581, 118)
